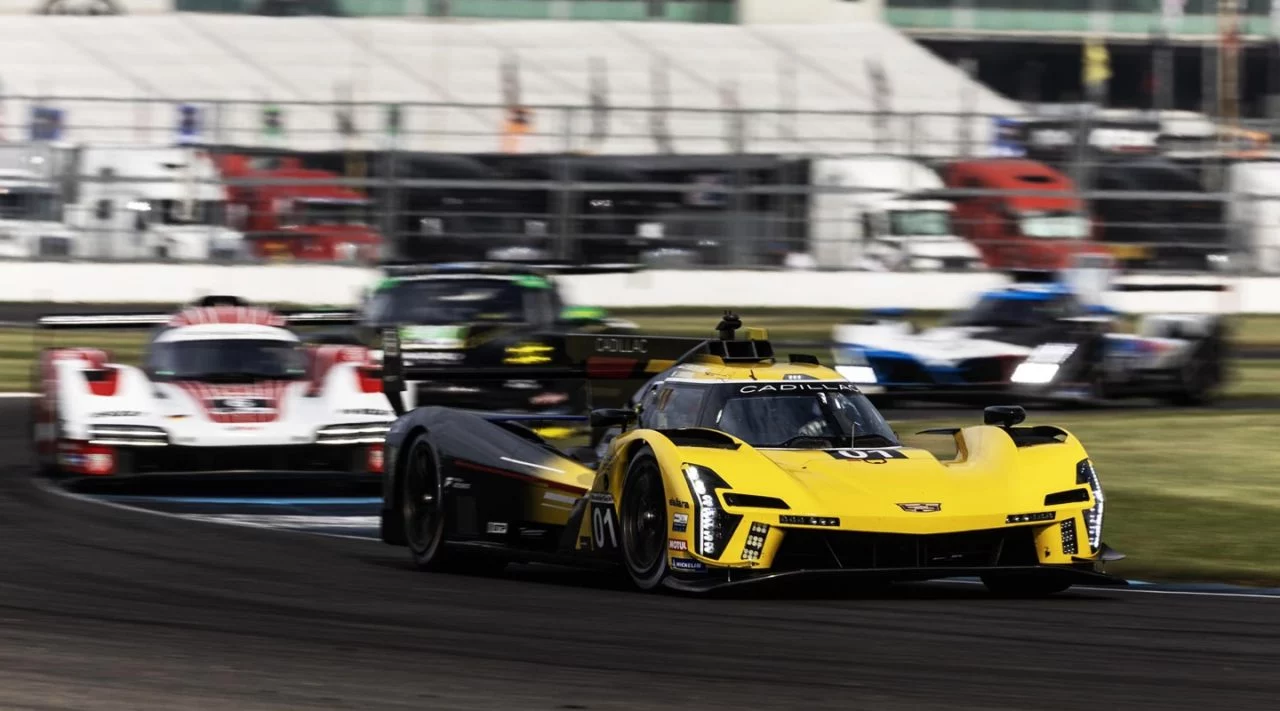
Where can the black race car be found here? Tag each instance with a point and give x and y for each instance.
(483, 315)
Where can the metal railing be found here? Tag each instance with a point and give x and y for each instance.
(673, 223)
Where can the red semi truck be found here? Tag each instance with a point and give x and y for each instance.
(306, 221)
(1021, 231)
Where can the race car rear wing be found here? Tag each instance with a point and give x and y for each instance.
(106, 321)
(584, 357)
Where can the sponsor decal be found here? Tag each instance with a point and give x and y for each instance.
(676, 544)
(817, 387)
(372, 412)
(117, 413)
(495, 527)
(798, 376)
(921, 508)
(677, 503)
(453, 482)
(427, 337)
(532, 533)
(867, 455)
(598, 497)
(238, 428)
(559, 498)
(614, 344)
(679, 522)
(686, 564)
(435, 357)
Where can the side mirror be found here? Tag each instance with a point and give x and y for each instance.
(612, 417)
(1003, 415)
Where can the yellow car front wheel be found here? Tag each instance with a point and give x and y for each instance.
(644, 522)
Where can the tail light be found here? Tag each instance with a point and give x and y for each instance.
(103, 381)
(370, 382)
(88, 459)
(375, 459)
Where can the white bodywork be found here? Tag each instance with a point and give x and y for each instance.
(30, 210)
(119, 200)
(879, 225)
(142, 413)
(1254, 212)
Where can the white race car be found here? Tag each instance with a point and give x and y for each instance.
(224, 387)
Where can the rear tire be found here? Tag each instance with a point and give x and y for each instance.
(643, 520)
(1024, 585)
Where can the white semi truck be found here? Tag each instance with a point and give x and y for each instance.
(1253, 211)
(883, 218)
(30, 206)
(149, 203)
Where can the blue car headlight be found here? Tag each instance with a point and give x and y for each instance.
(1086, 474)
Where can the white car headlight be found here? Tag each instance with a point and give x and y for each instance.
(857, 373)
(1085, 474)
(1035, 373)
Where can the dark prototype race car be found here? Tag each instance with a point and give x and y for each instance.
(504, 316)
(737, 467)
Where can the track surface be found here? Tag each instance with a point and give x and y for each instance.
(106, 609)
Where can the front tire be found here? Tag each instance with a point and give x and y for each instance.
(644, 523)
(1024, 585)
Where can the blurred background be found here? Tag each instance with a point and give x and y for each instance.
(807, 162)
(886, 135)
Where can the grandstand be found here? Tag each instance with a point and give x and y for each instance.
(147, 65)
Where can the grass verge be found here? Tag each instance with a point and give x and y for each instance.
(1190, 495)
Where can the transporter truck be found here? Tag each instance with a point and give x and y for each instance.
(883, 217)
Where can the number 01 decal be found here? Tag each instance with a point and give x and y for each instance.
(604, 526)
(867, 455)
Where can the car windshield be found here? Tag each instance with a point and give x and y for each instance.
(1064, 225)
(920, 223)
(450, 301)
(792, 415)
(191, 212)
(1018, 310)
(329, 212)
(227, 360)
(28, 204)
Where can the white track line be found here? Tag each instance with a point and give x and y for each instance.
(59, 491)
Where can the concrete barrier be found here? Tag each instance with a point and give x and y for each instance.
(327, 285)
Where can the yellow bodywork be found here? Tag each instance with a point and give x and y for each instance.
(989, 480)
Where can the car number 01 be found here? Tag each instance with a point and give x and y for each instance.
(602, 522)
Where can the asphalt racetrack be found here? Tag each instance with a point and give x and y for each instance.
(106, 608)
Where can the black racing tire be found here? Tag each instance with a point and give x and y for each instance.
(1024, 586)
(643, 522)
(1199, 381)
(421, 507)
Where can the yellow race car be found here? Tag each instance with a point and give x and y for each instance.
(732, 467)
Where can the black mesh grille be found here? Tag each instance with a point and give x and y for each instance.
(899, 370)
(305, 458)
(808, 550)
(986, 370)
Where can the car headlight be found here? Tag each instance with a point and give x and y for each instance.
(1035, 373)
(713, 525)
(852, 364)
(1085, 474)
